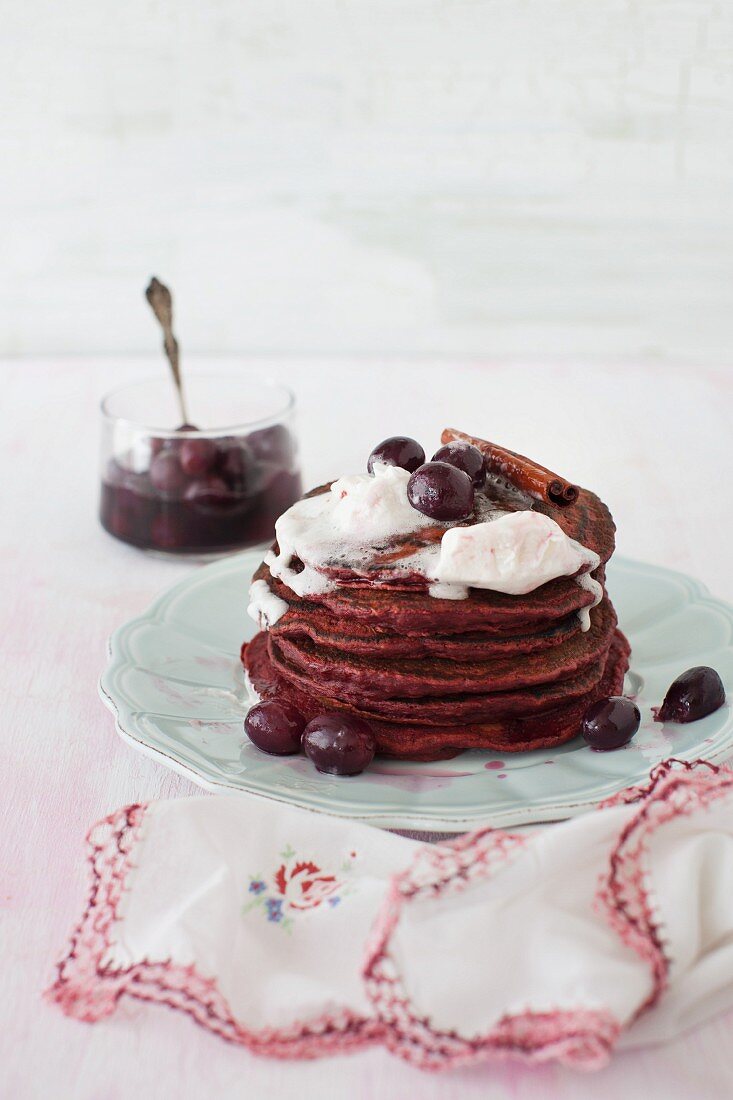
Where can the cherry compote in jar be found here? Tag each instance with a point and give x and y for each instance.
(207, 488)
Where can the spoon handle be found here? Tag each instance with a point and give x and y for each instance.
(160, 300)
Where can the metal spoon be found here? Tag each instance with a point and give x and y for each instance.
(160, 300)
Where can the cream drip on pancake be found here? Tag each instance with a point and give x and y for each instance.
(264, 606)
(590, 584)
(351, 526)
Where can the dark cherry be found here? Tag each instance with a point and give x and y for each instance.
(441, 491)
(166, 473)
(339, 744)
(159, 443)
(200, 494)
(276, 728)
(237, 465)
(398, 450)
(697, 692)
(274, 444)
(197, 456)
(610, 723)
(464, 456)
(209, 494)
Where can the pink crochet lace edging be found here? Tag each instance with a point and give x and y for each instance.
(675, 787)
(88, 988)
(582, 1038)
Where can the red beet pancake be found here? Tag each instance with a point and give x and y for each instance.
(416, 612)
(444, 740)
(370, 640)
(436, 676)
(384, 676)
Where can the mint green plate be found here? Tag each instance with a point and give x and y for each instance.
(175, 685)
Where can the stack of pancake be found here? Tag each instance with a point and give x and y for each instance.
(437, 676)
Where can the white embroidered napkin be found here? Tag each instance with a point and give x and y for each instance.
(299, 935)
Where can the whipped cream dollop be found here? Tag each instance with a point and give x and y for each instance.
(350, 525)
(342, 527)
(515, 554)
(375, 507)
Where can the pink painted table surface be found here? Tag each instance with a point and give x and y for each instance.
(655, 443)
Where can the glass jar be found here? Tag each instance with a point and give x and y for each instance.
(206, 489)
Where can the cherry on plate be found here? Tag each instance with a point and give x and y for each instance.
(441, 491)
(694, 694)
(339, 744)
(464, 456)
(276, 728)
(610, 723)
(397, 450)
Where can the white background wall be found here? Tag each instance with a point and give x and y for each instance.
(497, 177)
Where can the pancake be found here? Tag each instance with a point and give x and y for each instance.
(446, 706)
(362, 638)
(409, 612)
(429, 741)
(383, 677)
(434, 676)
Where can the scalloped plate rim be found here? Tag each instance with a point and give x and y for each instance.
(526, 814)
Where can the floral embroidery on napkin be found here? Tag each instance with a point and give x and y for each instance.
(295, 886)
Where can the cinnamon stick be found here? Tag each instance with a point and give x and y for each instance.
(524, 474)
